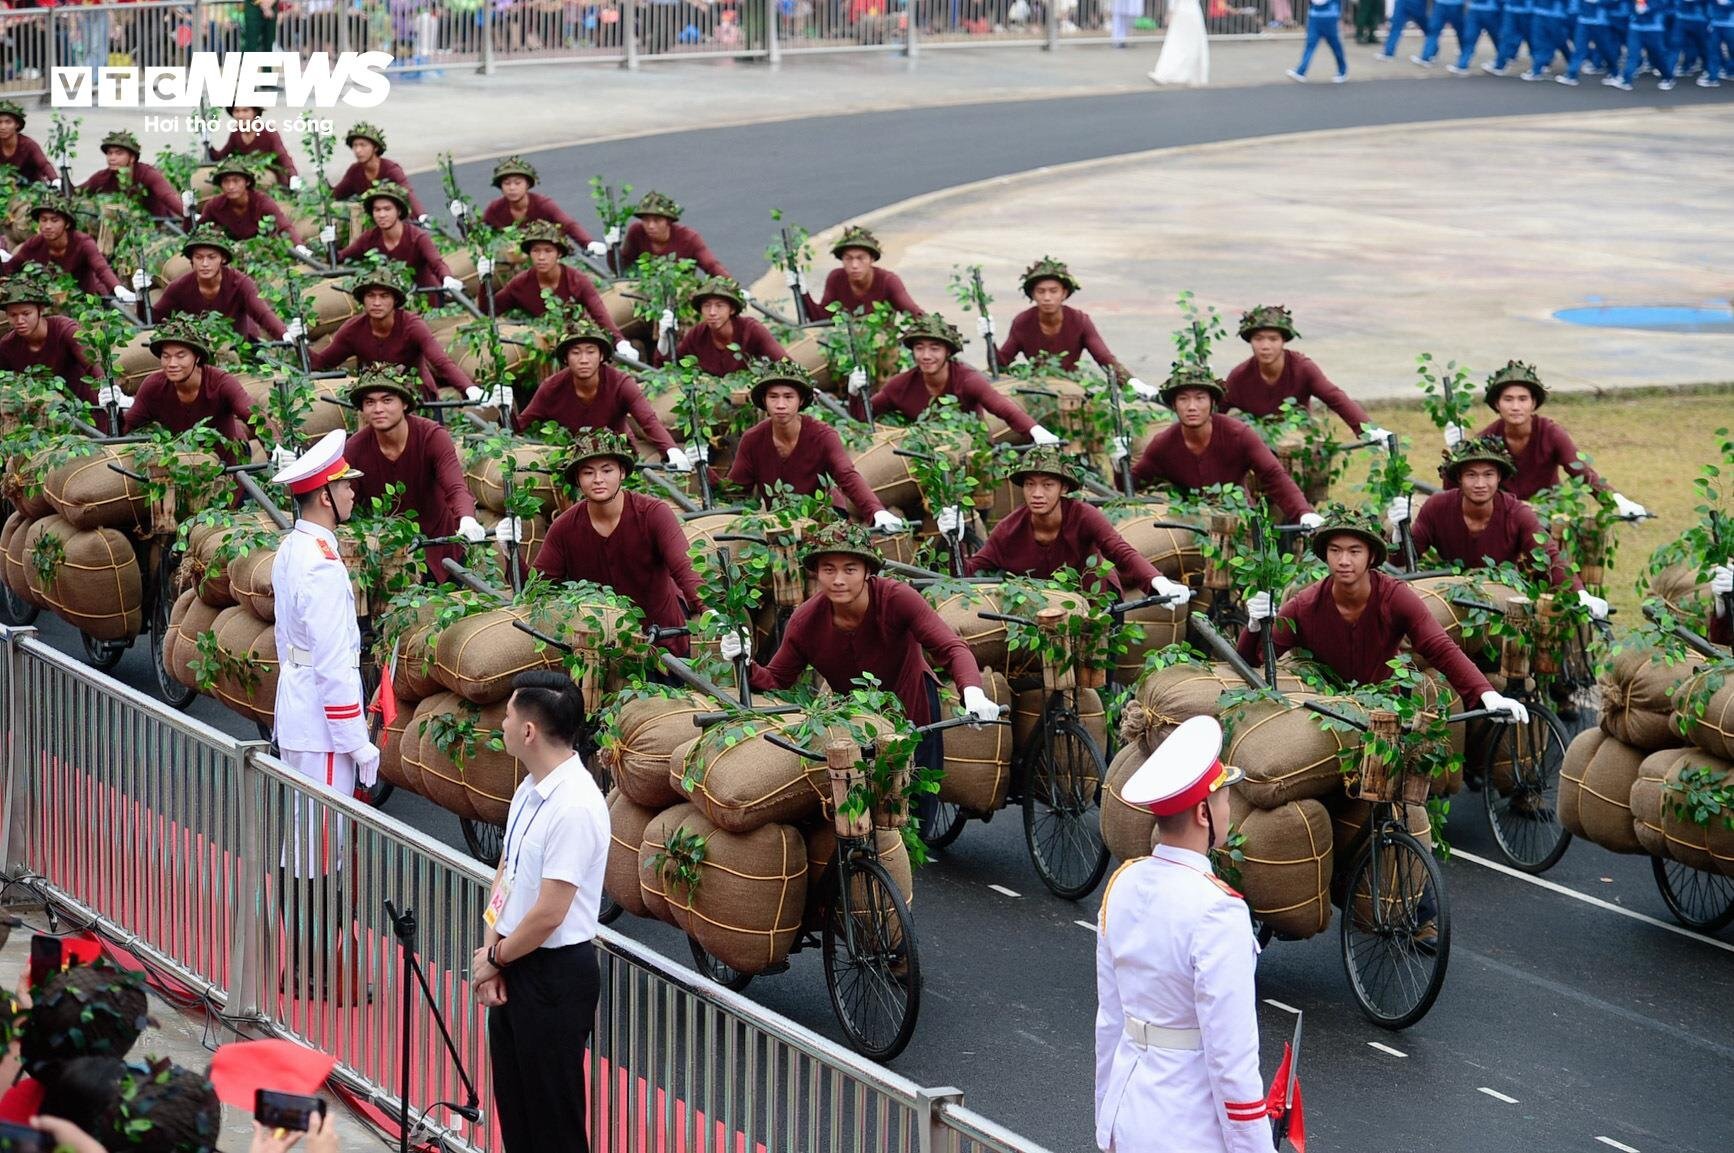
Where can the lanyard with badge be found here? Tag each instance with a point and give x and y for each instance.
(503, 887)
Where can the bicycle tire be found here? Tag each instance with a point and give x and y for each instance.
(1522, 809)
(484, 840)
(173, 692)
(102, 655)
(729, 978)
(1702, 902)
(870, 951)
(609, 911)
(1062, 792)
(15, 610)
(1379, 932)
(943, 826)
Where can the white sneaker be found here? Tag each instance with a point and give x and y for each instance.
(1568, 81)
(1591, 69)
(1493, 70)
(1616, 82)
(1666, 85)
(1532, 77)
(1340, 78)
(1384, 57)
(1297, 77)
(1420, 62)
(1706, 82)
(1456, 71)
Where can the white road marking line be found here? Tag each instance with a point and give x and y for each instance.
(1624, 1148)
(1003, 890)
(1589, 900)
(1090, 925)
(1497, 1095)
(1384, 1048)
(1275, 1004)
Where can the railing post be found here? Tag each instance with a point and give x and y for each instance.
(1053, 23)
(50, 54)
(248, 912)
(773, 46)
(487, 68)
(198, 19)
(629, 34)
(343, 12)
(13, 829)
(928, 1101)
(912, 38)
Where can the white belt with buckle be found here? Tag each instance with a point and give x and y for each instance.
(1149, 1036)
(304, 657)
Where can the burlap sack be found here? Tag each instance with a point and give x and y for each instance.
(135, 360)
(1349, 823)
(752, 891)
(22, 486)
(322, 415)
(1437, 593)
(478, 656)
(1027, 715)
(13, 557)
(491, 775)
(248, 680)
(1637, 697)
(1128, 831)
(1163, 626)
(886, 473)
(1677, 587)
(331, 306)
(442, 780)
(1287, 751)
(1707, 847)
(1178, 693)
(413, 674)
(651, 729)
(977, 761)
(250, 582)
(653, 881)
(1646, 801)
(532, 473)
(1595, 790)
(1176, 553)
(409, 756)
(1287, 863)
(1396, 893)
(619, 299)
(821, 854)
(391, 745)
(808, 351)
(626, 824)
(199, 568)
(986, 639)
(753, 782)
(1714, 730)
(89, 494)
(189, 618)
(95, 588)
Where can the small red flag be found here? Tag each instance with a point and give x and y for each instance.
(1293, 1125)
(385, 698)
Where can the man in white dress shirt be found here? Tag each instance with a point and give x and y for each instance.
(536, 971)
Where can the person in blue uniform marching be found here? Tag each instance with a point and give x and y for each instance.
(1690, 38)
(1405, 13)
(1549, 36)
(1646, 38)
(1446, 14)
(1324, 22)
(1591, 32)
(1721, 40)
(1513, 35)
(1479, 16)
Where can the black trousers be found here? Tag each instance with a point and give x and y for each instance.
(536, 1040)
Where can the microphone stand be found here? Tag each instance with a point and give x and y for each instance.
(403, 927)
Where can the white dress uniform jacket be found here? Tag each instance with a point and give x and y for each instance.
(1176, 1017)
(318, 645)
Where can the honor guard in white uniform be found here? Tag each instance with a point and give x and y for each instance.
(320, 727)
(1176, 1017)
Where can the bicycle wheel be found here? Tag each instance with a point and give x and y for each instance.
(609, 911)
(1520, 790)
(943, 825)
(714, 969)
(14, 609)
(1061, 825)
(872, 967)
(162, 603)
(102, 655)
(484, 841)
(1703, 902)
(1396, 929)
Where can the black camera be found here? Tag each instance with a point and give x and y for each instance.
(291, 1111)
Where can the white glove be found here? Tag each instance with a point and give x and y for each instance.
(612, 236)
(125, 295)
(5, 255)
(984, 325)
(484, 267)
(791, 278)
(473, 394)
(452, 284)
(328, 234)
(366, 760)
(471, 530)
(1383, 435)
(597, 249)
(108, 394)
(188, 199)
(949, 520)
(458, 208)
(747, 295)
(857, 381)
(1121, 449)
(498, 397)
(1503, 704)
(141, 279)
(887, 521)
(1040, 435)
(294, 330)
(665, 323)
(281, 457)
(1721, 584)
(1630, 509)
(977, 704)
(302, 251)
(510, 530)
(422, 220)
(1258, 610)
(678, 460)
(295, 184)
(1163, 587)
(1143, 391)
(624, 348)
(700, 451)
(1311, 520)
(1397, 511)
(1453, 435)
(735, 644)
(1598, 608)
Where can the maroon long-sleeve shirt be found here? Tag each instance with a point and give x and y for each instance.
(432, 480)
(1721, 629)
(888, 643)
(356, 181)
(683, 243)
(754, 338)
(644, 558)
(1234, 450)
(1077, 336)
(499, 215)
(60, 353)
(1549, 450)
(1012, 547)
(886, 286)
(263, 141)
(237, 298)
(906, 393)
(151, 186)
(617, 397)
(221, 400)
(410, 344)
(249, 219)
(523, 293)
(1510, 535)
(1361, 652)
(1301, 381)
(414, 248)
(82, 260)
(818, 452)
(29, 159)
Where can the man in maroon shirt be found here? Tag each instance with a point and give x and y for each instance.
(514, 177)
(1204, 448)
(33, 337)
(724, 340)
(625, 540)
(787, 448)
(1721, 588)
(389, 204)
(245, 142)
(214, 286)
(189, 389)
(859, 284)
(935, 344)
(1054, 328)
(657, 232)
(241, 210)
(58, 242)
(590, 393)
(371, 167)
(18, 150)
(1356, 618)
(1539, 447)
(385, 334)
(127, 175)
(1258, 385)
(545, 244)
(394, 446)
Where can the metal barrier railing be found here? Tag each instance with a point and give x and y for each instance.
(211, 860)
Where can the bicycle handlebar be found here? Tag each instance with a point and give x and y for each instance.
(792, 747)
(1125, 607)
(706, 720)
